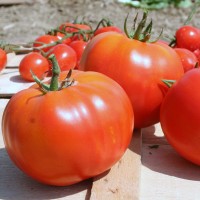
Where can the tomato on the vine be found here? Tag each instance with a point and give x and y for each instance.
(188, 58)
(36, 63)
(108, 29)
(3, 59)
(138, 67)
(188, 37)
(68, 134)
(45, 40)
(76, 27)
(180, 114)
(79, 47)
(65, 55)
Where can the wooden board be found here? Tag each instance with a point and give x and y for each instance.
(11, 82)
(164, 174)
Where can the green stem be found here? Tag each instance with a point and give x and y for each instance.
(54, 85)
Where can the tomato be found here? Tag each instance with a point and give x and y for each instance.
(138, 67)
(188, 58)
(188, 37)
(37, 63)
(3, 59)
(180, 114)
(79, 47)
(108, 29)
(75, 27)
(68, 135)
(65, 55)
(45, 39)
(197, 54)
(61, 35)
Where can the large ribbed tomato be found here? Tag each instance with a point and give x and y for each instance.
(138, 67)
(65, 136)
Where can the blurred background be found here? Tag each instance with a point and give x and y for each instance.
(22, 21)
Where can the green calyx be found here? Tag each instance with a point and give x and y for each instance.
(54, 83)
(141, 32)
(168, 83)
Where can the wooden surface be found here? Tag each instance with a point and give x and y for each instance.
(164, 174)
(149, 170)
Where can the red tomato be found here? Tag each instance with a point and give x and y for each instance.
(180, 114)
(61, 35)
(45, 39)
(37, 63)
(79, 47)
(188, 37)
(138, 67)
(65, 56)
(3, 59)
(71, 28)
(197, 54)
(69, 135)
(108, 29)
(188, 58)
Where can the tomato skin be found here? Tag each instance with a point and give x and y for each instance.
(188, 58)
(46, 39)
(137, 68)
(197, 54)
(79, 47)
(71, 28)
(65, 41)
(108, 29)
(188, 37)
(65, 55)
(179, 116)
(37, 63)
(3, 59)
(73, 134)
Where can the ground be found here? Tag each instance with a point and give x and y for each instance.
(24, 22)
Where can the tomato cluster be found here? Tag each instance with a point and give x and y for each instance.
(104, 83)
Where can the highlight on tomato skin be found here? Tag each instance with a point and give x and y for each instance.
(74, 133)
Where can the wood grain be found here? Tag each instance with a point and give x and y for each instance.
(122, 181)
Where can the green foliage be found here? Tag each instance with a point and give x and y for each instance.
(157, 4)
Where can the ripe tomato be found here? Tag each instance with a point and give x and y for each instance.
(108, 29)
(188, 58)
(61, 36)
(69, 135)
(197, 54)
(45, 39)
(71, 28)
(188, 37)
(3, 59)
(37, 63)
(78, 46)
(65, 55)
(180, 114)
(138, 67)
